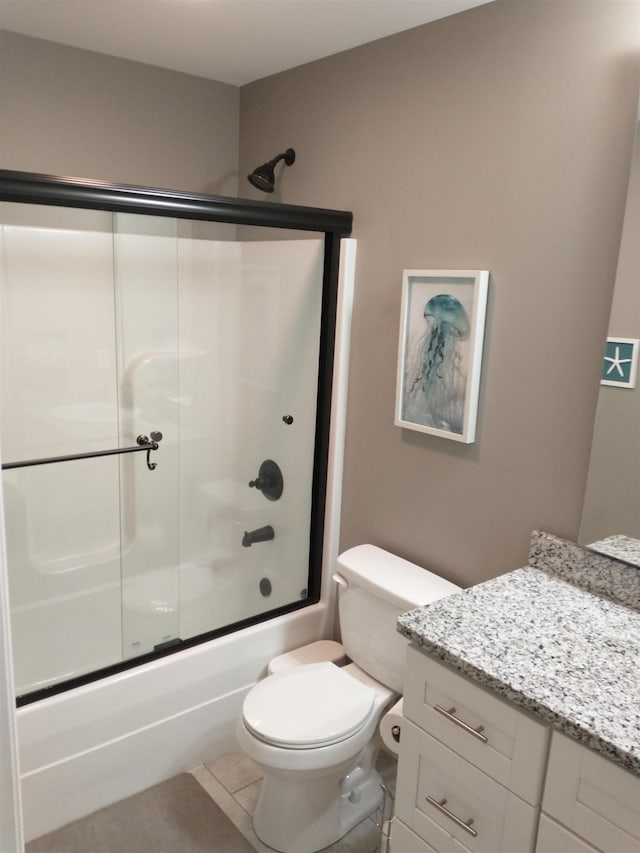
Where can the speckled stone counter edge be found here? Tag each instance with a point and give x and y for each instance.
(600, 575)
(538, 709)
(619, 547)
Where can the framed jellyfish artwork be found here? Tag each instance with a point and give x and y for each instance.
(440, 351)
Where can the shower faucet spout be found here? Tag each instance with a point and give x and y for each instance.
(262, 534)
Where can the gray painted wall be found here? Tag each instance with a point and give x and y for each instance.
(66, 111)
(499, 139)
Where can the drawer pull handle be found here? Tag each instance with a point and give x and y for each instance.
(466, 825)
(450, 716)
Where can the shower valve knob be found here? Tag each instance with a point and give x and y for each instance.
(269, 480)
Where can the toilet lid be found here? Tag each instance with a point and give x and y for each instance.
(312, 705)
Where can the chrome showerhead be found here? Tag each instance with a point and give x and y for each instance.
(264, 178)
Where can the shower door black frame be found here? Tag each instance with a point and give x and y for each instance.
(58, 191)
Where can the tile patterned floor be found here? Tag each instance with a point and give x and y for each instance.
(233, 782)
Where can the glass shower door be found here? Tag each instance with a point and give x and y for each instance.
(249, 329)
(218, 350)
(59, 398)
(92, 543)
(116, 327)
(148, 355)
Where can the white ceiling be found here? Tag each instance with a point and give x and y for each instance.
(233, 41)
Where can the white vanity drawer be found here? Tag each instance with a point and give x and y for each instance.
(494, 735)
(438, 792)
(592, 796)
(553, 838)
(403, 840)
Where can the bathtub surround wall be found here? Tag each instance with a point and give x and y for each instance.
(499, 138)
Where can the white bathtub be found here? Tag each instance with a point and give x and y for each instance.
(96, 744)
(91, 746)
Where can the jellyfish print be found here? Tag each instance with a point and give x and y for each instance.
(435, 383)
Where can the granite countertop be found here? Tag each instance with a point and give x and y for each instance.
(621, 547)
(560, 638)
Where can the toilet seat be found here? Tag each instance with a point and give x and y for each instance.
(311, 706)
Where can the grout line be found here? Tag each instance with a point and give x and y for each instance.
(235, 796)
(232, 809)
(242, 819)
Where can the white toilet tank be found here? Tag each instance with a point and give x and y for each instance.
(375, 587)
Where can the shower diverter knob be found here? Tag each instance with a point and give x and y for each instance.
(269, 480)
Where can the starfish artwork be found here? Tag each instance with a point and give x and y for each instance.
(617, 362)
(620, 361)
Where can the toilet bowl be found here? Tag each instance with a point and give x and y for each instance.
(312, 725)
(310, 729)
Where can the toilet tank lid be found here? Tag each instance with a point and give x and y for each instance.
(398, 581)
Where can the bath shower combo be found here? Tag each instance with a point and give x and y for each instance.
(176, 324)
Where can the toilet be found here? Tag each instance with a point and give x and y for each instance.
(312, 724)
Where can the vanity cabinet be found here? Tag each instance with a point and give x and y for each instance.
(405, 841)
(589, 802)
(477, 774)
(553, 838)
(471, 765)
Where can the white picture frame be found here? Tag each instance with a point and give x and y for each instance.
(440, 345)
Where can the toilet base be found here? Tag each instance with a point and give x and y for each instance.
(294, 816)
